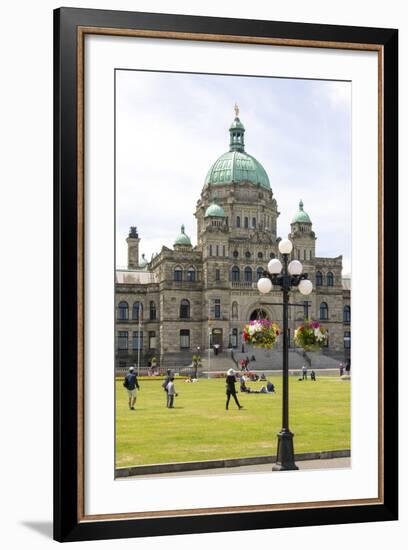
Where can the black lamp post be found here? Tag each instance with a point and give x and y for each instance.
(286, 277)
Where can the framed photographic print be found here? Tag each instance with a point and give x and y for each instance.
(225, 274)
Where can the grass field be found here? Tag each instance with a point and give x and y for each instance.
(199, 427)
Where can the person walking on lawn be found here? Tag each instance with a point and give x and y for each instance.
(130, 382)
(230, 388)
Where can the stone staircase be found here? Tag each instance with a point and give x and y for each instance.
(221, 362)
(272, 359)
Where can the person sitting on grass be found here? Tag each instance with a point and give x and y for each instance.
(130, 383)
(270, 388)
(243, 387)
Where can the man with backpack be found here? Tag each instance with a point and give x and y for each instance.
(130, 383)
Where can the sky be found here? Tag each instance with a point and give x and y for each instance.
(171, 127)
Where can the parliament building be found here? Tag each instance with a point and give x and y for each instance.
(189, 298)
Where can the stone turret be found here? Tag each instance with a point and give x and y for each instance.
(133, 248)
(302, 235)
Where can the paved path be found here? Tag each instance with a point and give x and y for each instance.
(321, 464)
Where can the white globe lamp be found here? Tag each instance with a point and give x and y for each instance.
(285, 246)
(295, 267)
(274, 266)
(264, 285)
(305, 287)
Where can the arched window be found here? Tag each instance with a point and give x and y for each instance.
(123, 311)
(248, 275)
(304, 254)
(253, 222)
(310, 254)
(246, 223)
(235, 273)
(319, 278)
(178, 274)
(210, 249)
(346, 314)
(238, 221)
(152, 311)
(259, 273)
(191, 274)
(330, 279)
(234, 310)
(184, 309)
(324, 311)
(137, 311)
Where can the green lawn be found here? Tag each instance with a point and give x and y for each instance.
(199, 427)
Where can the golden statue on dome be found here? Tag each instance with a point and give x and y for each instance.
(236, 109)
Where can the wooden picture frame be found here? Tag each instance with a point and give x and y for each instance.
(70, 27)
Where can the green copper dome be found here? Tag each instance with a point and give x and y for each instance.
(143, 262)
(215, 210)
(183, 239)
(236, 165)
(301, 216)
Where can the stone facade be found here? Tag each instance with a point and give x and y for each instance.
(195, 297)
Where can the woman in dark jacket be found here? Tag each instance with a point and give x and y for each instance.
(230, 389)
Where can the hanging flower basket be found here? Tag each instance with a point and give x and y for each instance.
(311, 336)
(261, 333)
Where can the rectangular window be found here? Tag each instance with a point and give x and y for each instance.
(137, 340)
(152, 340)
(234, 339)
(184, 339)
(347, 340)
(210, 249)
(217, 275)
(178, 274)
(246, 223)
(223, 249)
(217, 253)
(217, 308)
(123, 340)
(253, 222)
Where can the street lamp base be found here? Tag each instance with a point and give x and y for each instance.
(285, 459)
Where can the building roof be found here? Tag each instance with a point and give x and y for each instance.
(182, 238)
(301, 216)
(124, 276)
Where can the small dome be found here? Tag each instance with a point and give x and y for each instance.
(301, 216)
(215, 210)
(183, 239)
(143, 262)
